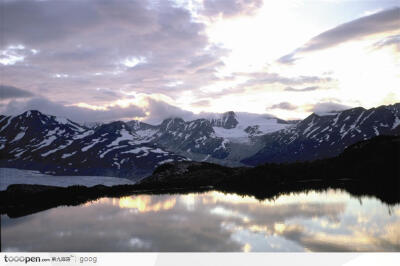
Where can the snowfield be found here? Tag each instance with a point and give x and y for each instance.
(238, 134)
(9, 176)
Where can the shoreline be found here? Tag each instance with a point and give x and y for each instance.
(22, 200)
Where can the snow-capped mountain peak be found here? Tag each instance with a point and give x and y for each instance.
(327, 134)
(227, 120)
(59, 146)
(246, 126)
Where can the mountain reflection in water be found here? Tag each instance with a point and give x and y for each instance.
(211, 221)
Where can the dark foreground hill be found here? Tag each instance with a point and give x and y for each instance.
(371, 165)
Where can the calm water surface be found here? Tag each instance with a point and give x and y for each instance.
(212, 221)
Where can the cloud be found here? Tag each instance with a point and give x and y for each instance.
(284, 106)
(320, 107)
(10, 92)
(384, 21)
(48, 20)
(323, 107)
(288, 59)
(311, 88)
(201, 103)
(221, 93)
(390, 98)
(160, 110)
(230, 8)
(107, 94)
(155, 111)
(393, 40)
(75, 113)
(257, 80)
(71, 39)
(260, 78)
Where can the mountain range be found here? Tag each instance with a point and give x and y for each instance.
(133, 149)
(327, 134)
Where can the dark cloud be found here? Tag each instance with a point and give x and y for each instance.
(311, 88)
(283, 106)
(75, 113)
(230, 8)
(10, 92)
(154, 112)
(38, 22)
(107, 94)
(323, 107)
(160, 110)
(72, 47)
(384, 21)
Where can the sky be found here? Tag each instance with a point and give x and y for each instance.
(101, 60)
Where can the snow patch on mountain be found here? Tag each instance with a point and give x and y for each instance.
(84, 134)
(19, 136)
(241, 134)
(46, 142)
(57, 149)
(124, 135)
(165, 161)
(88, 147)
(146, 133)
(7, 124)
(396, 123)
(66, 155)
(112, 149)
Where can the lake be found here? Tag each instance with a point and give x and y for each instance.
(332, 220)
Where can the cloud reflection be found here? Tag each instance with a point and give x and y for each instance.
(213, 221)
(145, 203)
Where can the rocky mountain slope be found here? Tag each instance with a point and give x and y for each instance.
(58, 146)
(326, 135)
